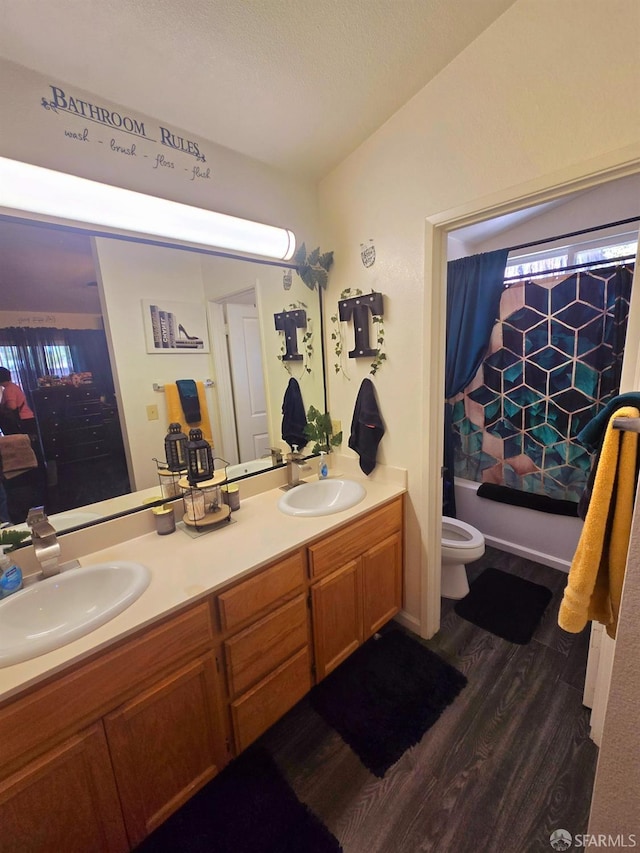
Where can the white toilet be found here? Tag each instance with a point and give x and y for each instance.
(461, 544)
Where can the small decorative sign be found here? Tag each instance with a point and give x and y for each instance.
(368, 253)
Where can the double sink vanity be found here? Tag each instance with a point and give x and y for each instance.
(104, 737)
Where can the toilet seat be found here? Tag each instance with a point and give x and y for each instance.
(460, 535)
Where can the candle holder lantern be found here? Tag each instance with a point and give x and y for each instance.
(175, 448)
(199, 458)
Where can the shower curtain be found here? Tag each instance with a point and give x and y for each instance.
(554, 360)
(474, 287)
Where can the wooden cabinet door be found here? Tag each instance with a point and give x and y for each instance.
(166, 744)
(337, 617)
(65, 800)
(381, 583)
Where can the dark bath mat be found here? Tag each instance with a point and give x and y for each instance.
(248, 808)
(506, 605)
(384, 697)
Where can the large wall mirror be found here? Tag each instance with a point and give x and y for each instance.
(74, 302)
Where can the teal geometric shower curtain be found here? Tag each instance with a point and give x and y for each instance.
(554, 361)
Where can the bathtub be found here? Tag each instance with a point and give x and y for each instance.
(517, 530)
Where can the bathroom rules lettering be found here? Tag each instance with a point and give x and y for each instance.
(125, 135)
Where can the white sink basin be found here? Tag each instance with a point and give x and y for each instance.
(53, 612)
(322, 497)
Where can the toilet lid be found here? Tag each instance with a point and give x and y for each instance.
(460, 534)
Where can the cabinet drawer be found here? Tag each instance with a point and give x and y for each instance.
(84, 695)
(259, 649)
(84, 451)
(89, 407)
(263, 592)
(349, 543)
(270, 699)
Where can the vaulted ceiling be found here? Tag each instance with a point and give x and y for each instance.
(298, 84)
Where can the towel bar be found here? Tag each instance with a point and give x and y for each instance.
(627, 424)
(208, 383)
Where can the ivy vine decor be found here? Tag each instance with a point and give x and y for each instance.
(313, 268)
(319, 429)
(307, 341)
(338, 343)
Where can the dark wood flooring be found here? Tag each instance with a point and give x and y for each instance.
(507, 763)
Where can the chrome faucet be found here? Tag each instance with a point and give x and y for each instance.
(45, 543)
(295, 464)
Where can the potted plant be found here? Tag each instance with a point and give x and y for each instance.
(319, 429)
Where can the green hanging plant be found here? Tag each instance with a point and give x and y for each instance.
(319, 429)
(313, 268)
(307, 341)
(338, 343)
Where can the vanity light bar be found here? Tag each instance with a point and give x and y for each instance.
(34, 189)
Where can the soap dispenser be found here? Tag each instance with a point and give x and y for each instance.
(10, 574)
(323, 468)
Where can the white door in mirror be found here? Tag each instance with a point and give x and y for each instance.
(53, 612)
(322, 497)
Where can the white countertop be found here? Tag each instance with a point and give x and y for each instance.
(184, 569)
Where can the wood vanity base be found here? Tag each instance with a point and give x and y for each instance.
(100, 755)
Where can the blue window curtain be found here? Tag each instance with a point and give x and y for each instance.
(88, 348)
(474, 288)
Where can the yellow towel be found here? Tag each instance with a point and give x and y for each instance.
(594, 586)
(17, 455)
(176, 415)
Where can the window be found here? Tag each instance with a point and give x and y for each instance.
(52, 359)
(588, 252)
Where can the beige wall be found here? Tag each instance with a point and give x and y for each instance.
(128, 273)
(541, 90)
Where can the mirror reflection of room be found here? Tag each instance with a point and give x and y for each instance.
(72, 337)
(53, 346)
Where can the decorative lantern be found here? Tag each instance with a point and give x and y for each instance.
(175, 448)
(199, 458)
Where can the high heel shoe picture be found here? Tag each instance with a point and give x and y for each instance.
(164, 332)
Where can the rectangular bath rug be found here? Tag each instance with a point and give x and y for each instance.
(384, 697)
(504, 604)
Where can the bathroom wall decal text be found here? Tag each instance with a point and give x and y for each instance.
(60, 101)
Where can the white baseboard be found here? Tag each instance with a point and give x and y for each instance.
(528, 554)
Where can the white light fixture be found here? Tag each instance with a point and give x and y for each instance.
(24, 187)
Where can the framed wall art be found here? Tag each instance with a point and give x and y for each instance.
(174, 326)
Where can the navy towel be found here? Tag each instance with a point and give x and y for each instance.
(188, 393)
(592, 434)
(294, 419)
(366, 427)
